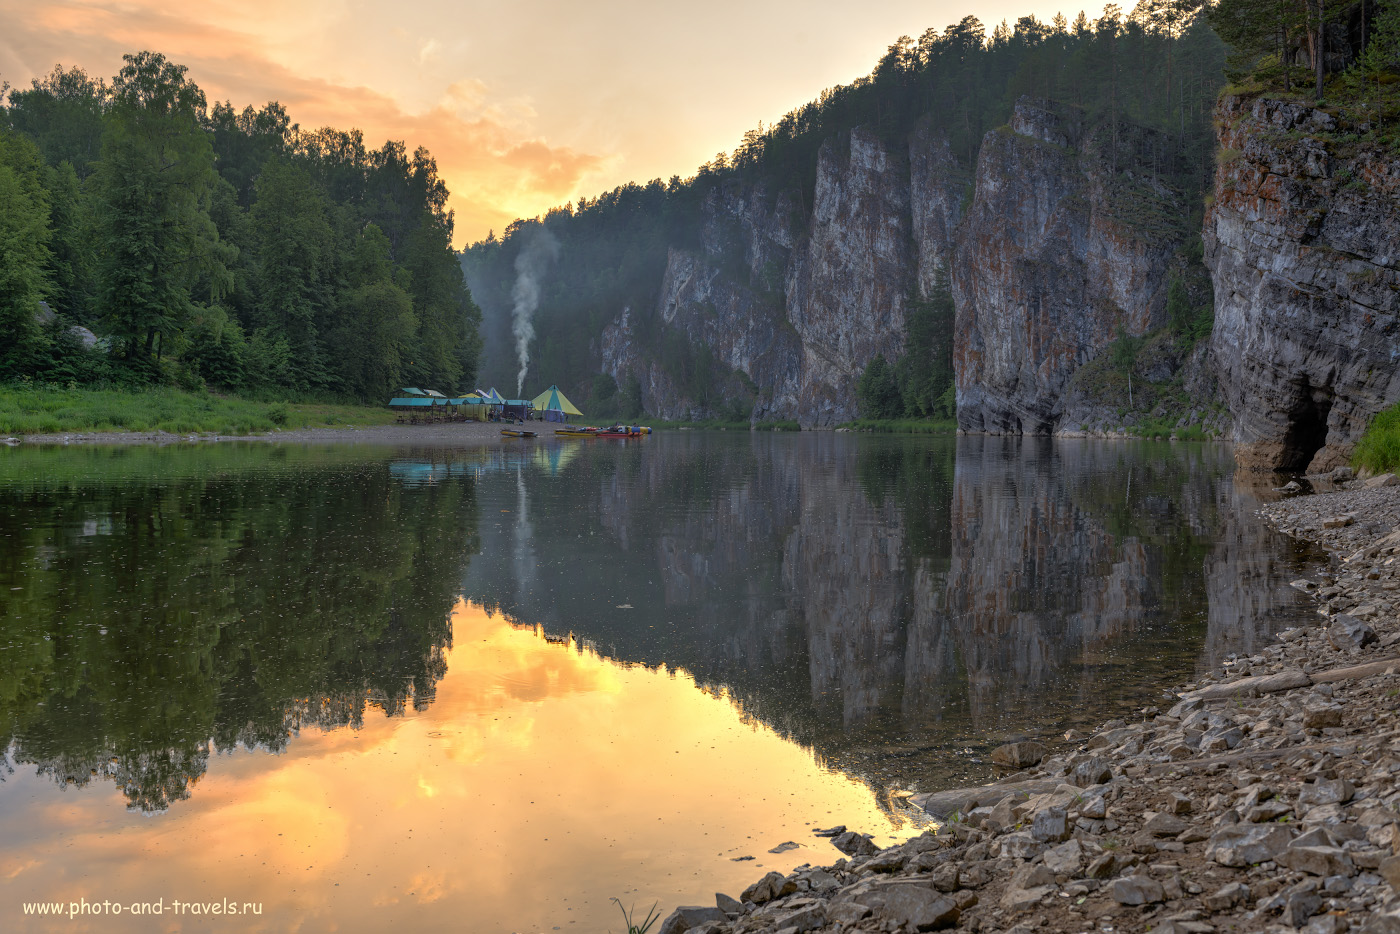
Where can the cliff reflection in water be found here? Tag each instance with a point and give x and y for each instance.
(896, 603)
(157, 605)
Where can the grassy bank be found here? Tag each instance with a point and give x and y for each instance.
(717, 424)
(43, 410)
(905, 426)
(1379, 450)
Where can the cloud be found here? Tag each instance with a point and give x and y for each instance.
(495, 165)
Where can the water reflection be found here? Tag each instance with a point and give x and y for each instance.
(146, 624)
(899, 604)
(325, 671)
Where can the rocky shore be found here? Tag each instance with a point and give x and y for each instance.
(1265, 797)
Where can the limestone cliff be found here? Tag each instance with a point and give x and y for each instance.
(1067, 239)
(1302, 241)
(1061, 248)
(798, 301)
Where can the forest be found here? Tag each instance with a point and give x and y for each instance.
(176, 243)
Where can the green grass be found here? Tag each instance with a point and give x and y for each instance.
(628, 918)
(38, 410)
(720, 424)
(907, 426)
(1379, 449)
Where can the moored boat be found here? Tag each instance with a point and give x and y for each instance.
(517, 433)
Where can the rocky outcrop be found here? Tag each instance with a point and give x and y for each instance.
(1066, 241)
(792, 304)
(1302, 241)
(1060, 250)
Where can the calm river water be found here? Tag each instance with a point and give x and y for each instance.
(489, 690)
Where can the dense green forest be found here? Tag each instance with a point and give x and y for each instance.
(1158, 68)
(206, 246)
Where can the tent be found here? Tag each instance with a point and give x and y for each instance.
(410, 391)
(493, 397)
(555, 405)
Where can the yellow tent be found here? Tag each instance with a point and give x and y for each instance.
(552, 400)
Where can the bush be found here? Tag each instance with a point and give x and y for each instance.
(1379, 450)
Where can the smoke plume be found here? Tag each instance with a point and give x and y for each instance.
(539, 250)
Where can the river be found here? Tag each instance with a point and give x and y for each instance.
(354, 687)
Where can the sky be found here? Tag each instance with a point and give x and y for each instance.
(525, 104)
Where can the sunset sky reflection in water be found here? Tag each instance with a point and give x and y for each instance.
(542, 780)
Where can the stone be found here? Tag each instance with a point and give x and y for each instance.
(1385, 479)
(1103, 866)
(1326, 791)
(946, 877)
(1051, 825)
(1383, 923)
(1018, 755)
(1317, 718)
(1024, 899)
(1348, 632)
(1091, 771)
(847, 912)
(854, 844)
(1239, 845)
(1136, 890)
(1178, 803)
(728, 905)
(1093, 807)
(687, 917)
(1065, 859)
(1021, 845)
(891, 860)
(1299, 907)
(915, 907)
(1164, 825)
(1338, 522)
(806, 918)
(774, 885)
(1318, 836)
(1325, 924)
(1227, 896)
(1317, 860)
(1390, 871)
(1268, 811)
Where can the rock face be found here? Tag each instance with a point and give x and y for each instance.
(792, 305)
(1058, 252)
(1302, 242)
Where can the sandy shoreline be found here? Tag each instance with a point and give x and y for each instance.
(1264, 797)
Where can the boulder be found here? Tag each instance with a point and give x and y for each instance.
(1385, 479)
(1347, 632)
(1227, 897)
(1021, 845)
(1239, 845)
(1018, 755)
(1091, 771)
(1065, 859)
(1317, 860)
(691, 916)
(1317, 718)
(806, 918)
(1326, 791)
(1137, 890)
(854, 844)
(1299, 907)
(1164, 825)
(911, 906)
(1051, 825)
(774, 885)
(729, 906)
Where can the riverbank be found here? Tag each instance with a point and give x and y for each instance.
(1264, 797)
(449, 434)
(46, 411)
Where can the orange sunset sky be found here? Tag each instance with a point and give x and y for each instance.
(525, 104)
